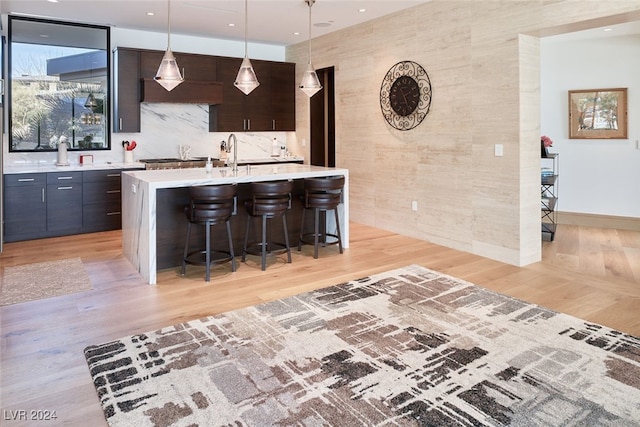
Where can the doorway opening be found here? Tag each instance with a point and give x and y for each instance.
(322, 123)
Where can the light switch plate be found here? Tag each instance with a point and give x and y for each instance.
(498, 150)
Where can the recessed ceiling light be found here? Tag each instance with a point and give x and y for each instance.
(150, 14)
(297, 33)
(608, 29)
(362, 10)
(52, 1)
(232, 25)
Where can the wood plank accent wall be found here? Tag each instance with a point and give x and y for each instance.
(483, 62)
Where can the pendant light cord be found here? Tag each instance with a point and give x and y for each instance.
(168, 24)
(310, 3)
(246, 24)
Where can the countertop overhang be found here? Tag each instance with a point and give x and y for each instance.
(174, 178)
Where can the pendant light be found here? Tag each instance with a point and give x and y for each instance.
(246, 79)
(91, 103)
(310, 83)
(168, 75)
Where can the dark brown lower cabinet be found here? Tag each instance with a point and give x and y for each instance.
(64, 203)
(101, 201)
(40, 205)
(25, 209)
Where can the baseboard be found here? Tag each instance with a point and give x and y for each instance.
(599, 221)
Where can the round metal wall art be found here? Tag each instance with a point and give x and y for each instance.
(405, 95)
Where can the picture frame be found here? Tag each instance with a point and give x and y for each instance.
(598, 113)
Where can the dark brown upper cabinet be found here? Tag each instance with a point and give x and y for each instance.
(269, 107)
(208, 80)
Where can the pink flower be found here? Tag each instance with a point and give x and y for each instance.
(546, 141)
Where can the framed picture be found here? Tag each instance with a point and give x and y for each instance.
(598, 114)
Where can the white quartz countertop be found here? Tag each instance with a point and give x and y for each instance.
(51, 167)
(38, 167)
(174, 178)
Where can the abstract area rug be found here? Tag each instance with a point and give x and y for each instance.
(409, 347)
(43, 280)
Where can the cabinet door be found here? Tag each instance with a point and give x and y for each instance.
(201, 68)
(228, 116)
(25, 213)
(64, 203)
(257, 105)
(126, 106)
(283, 96)
(239, 112)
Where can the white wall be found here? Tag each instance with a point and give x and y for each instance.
(597, 176)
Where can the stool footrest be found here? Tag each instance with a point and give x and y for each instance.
(272, 248)
(309, 238)
(200, 257)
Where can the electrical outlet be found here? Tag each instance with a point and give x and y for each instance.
(133, 188)
(414, 205)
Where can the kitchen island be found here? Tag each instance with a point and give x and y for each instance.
(154, 225)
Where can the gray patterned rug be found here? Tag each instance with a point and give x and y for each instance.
(409, 347)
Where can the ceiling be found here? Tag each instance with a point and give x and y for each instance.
(270, 22)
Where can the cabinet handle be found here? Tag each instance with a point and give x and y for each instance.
(111, 175)
(112, 191)
(42, 194)
(65, 177)
(120, 123)
(26, 179)
(273, 124)
(65, 188)
(113, 213)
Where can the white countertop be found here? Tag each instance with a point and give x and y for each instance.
(174, 178)
(38, 167)
(51, 167)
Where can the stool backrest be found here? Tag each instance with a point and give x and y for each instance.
(323, 192)
(271, 197)
(214, 203)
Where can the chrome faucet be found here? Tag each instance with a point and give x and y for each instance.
(228, 146)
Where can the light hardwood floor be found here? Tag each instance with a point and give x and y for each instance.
(589, 273)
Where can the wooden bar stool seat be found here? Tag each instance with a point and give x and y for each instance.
(321, 195)
(209, 206)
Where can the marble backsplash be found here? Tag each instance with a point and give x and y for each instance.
(164, 128)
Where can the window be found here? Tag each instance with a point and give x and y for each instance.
(58, 87)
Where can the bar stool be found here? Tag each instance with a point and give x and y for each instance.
(268, 201)
(209, 206)
(322, 195)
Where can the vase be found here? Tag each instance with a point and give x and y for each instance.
(543, 153)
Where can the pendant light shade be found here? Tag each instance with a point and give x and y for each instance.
(168, 75)
(91, 102)
(310, 83)
(246, 79)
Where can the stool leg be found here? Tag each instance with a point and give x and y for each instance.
(246, 239)
(233, 257)
(301, 229)
(286, 236)
(208, 251)
(335, 211)
(264, 242)
(186, 250)
(316, 225)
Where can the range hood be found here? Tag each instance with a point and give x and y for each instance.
(188, 92)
